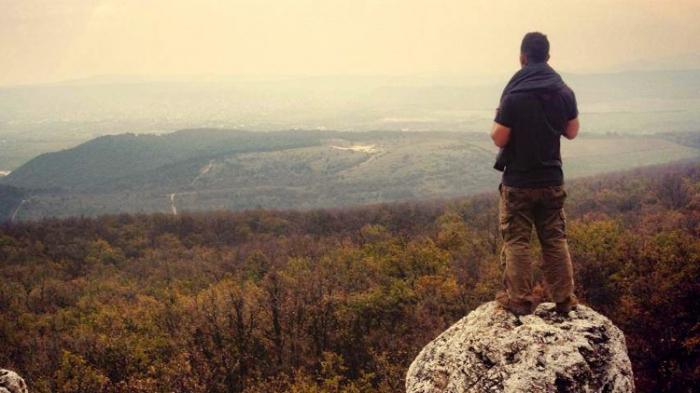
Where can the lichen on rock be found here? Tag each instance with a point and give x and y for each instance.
(10, 382)
(492, 350)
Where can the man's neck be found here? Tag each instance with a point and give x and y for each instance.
(539, 64)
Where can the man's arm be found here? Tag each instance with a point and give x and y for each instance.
(571, 129)
(500, 134)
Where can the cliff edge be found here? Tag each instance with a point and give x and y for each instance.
(491, 350)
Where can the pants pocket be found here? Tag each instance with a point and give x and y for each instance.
(562, 218)
(554, 197)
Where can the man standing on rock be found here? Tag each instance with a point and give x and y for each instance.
(536, 109)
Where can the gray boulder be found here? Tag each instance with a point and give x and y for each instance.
(10, 382)
(491, 350)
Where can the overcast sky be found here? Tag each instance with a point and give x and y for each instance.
(51, 40)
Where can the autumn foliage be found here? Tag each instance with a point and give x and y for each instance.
(330, 300)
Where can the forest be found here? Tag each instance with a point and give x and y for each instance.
(330, 300)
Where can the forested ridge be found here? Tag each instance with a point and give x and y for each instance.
(223, 169)
(330, 300)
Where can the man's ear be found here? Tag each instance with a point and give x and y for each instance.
(523, 59)
(547, 59)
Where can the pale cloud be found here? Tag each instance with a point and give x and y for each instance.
(63, 39)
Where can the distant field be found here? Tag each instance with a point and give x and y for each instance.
(194, 171)
(589, 155)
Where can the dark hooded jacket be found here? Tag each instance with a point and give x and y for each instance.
(537, 105)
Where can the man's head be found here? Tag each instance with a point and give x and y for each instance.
(534, 48)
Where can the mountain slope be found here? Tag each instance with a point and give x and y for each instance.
(116, 156)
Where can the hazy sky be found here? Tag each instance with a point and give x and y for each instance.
(64, 39)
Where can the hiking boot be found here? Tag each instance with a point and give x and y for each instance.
(517, 308)
(567, 306)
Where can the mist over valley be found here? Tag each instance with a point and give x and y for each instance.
(37, 119)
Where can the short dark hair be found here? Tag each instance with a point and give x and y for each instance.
(535, 46)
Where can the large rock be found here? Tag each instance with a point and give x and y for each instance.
(10, 382)
(491, 350)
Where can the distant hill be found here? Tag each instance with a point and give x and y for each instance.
(209, 169)
(101, 162)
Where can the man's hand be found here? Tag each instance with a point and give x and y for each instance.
(571, 129)
(500, 134)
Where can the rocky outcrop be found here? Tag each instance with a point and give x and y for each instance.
(491, 350)
(10, 382)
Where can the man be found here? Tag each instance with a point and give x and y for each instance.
(536, 109)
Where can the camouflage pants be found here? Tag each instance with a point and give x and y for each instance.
(519, 210)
